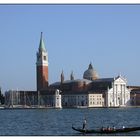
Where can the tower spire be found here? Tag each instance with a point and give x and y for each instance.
(72, 76)
(62, 77)
(41, 44)
(90, 66)
(41, 34)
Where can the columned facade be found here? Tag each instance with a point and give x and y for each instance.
(118, 95)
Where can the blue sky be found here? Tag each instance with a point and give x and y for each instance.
(74, 35)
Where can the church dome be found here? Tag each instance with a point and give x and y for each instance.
(90, 73)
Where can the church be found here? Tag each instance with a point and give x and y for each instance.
(89, 91)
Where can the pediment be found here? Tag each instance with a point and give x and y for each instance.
(120, 80)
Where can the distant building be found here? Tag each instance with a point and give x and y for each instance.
(15, 98)
(90, 91)
(114, 91)
(96, 99)
(33, 99)
(103, 92)
(134, 95)
(57, 99)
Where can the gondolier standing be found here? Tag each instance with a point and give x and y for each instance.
(84, 124)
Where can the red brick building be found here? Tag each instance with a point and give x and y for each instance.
(42, 66)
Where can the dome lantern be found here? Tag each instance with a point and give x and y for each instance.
(90, 73)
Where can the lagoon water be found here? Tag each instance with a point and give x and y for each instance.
(58, 122)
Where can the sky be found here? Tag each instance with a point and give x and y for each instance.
(108, 36)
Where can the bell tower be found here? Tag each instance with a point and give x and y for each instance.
(42, 66)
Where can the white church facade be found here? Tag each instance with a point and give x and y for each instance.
(119, 94)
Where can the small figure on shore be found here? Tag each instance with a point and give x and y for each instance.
(114, 128)
(108, 128)
(102, 129)
(84, 124)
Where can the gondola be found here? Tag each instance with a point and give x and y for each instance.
(106, 131)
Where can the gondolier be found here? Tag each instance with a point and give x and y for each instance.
(84, 124)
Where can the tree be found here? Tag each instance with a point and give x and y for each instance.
(2, 99)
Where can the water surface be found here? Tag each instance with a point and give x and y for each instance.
(58, 122)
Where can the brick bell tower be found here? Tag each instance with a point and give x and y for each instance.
(42, 66)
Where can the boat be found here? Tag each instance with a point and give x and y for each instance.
(106, 131)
